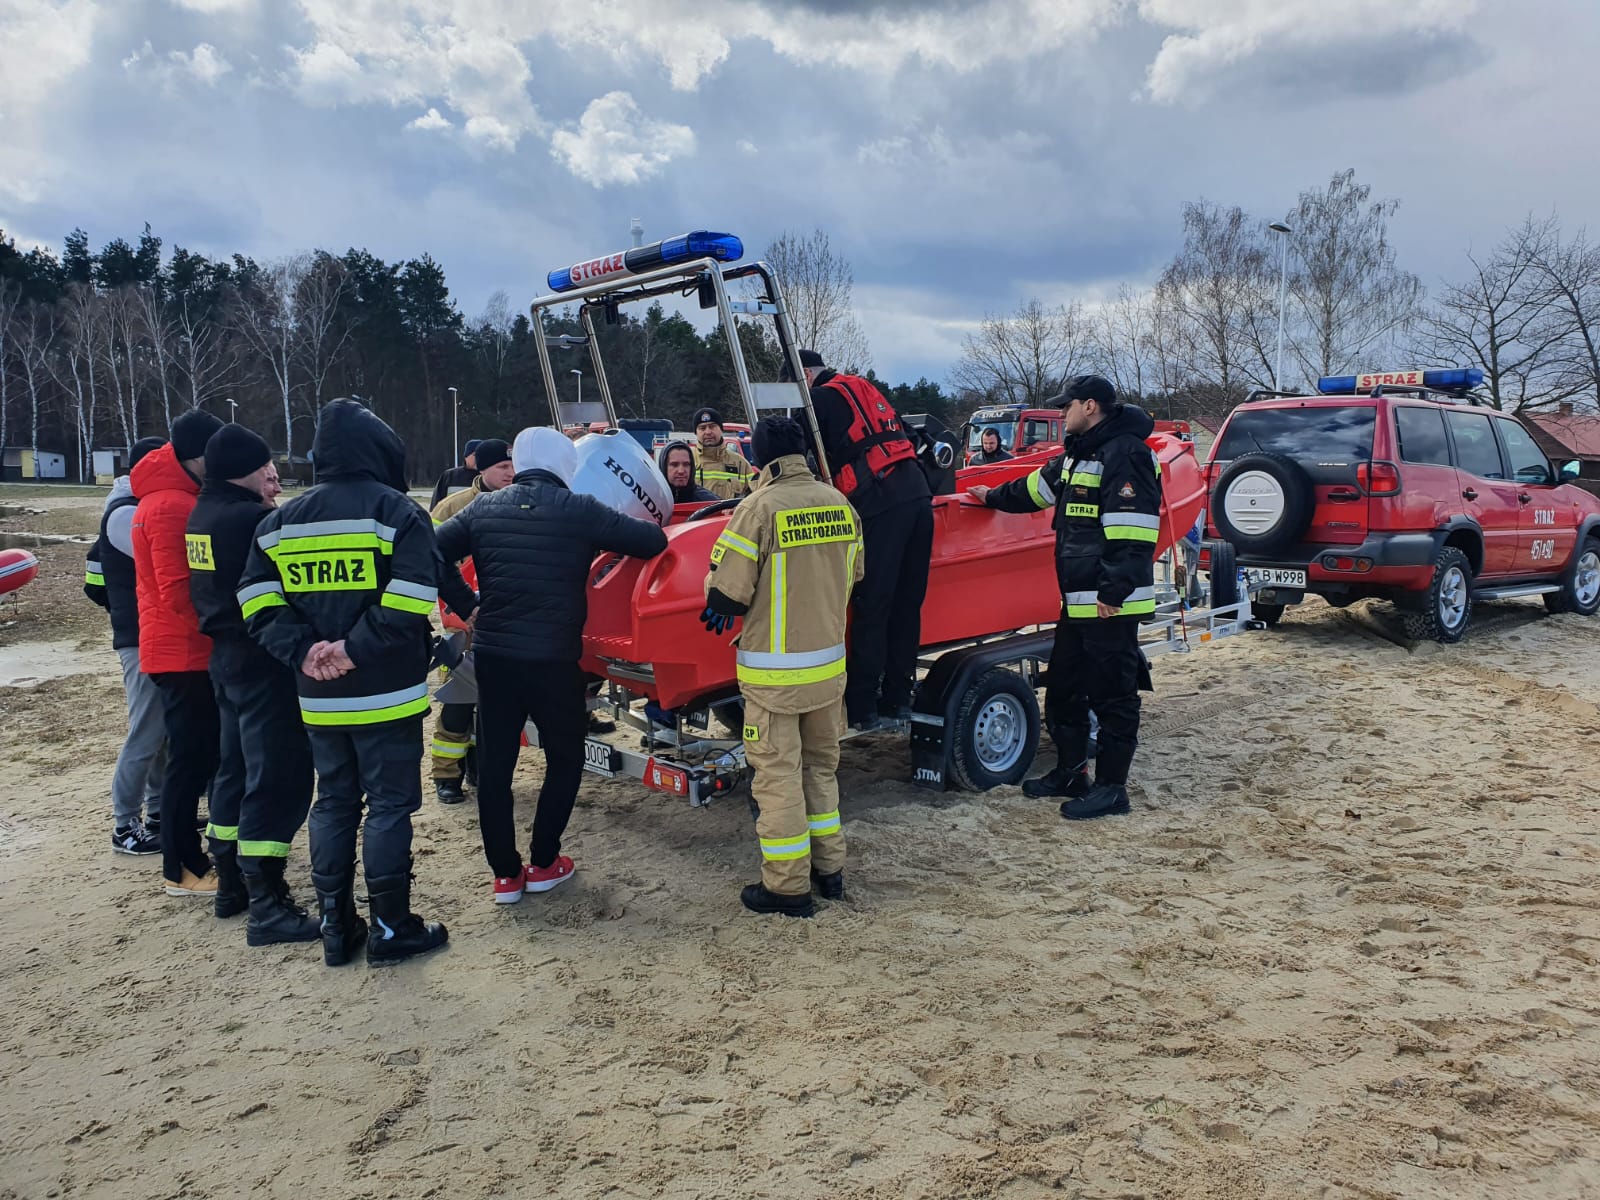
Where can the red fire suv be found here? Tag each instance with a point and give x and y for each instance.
(1402, 486)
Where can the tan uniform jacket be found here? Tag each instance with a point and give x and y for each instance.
(722, 471)
(792, 551)
(455, 502)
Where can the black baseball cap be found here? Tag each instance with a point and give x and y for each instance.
(1084, 387)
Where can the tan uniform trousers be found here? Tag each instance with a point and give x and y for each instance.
(454, 733)
(796, 786)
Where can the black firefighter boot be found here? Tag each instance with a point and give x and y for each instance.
(232, 896)
(830, 886)
(274, 916)
(758, 899)
(1070, 776)
(1109, 796)
(343, 931)
(396, 932)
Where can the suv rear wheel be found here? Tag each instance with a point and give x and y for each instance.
(1446, 608)
(1580, 586)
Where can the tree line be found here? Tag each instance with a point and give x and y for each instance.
(1526, 312)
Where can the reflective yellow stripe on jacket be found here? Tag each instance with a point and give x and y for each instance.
(782, 670)
(257, 596)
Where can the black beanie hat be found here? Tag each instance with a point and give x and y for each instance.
(234, 452)
(142, 447)
(808, 358)
(191, 432)
(491, 451)
(776, 436)
(707, 416)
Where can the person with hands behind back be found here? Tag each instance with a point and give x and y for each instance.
(786, 563)
(1106, 492)
(340, 586)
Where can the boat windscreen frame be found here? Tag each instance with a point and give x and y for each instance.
(700, 276)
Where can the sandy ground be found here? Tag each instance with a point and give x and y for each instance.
(1345, 946)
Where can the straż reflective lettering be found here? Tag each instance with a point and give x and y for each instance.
(598, 268)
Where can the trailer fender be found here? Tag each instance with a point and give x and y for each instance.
(937, 705)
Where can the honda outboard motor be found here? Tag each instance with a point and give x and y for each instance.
(620, 473)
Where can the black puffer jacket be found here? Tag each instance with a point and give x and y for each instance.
(532, 544)
(693, 493)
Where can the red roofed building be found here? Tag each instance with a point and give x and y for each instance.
(1565, 435)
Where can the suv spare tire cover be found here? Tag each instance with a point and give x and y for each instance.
(620, 473)
(1263, 503)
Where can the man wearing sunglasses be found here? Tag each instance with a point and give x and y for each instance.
(1106, 491)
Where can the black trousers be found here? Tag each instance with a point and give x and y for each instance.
(189, 712)
(381, 763)
(886, 629)
(511, 692)
(1096, 664)
(263, 787)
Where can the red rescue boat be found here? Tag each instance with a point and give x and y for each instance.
(18, 568)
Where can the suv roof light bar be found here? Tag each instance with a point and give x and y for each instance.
(1460, 379)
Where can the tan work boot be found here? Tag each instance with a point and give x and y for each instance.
(192, 884)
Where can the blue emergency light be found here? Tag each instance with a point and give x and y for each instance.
(686, 247)
(1457, 380)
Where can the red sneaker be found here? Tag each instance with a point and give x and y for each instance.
(508, 889)
(542, 879)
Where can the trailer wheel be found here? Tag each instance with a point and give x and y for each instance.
(996, 731)
(1224, 574)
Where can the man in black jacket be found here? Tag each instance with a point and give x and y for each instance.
(1106, 492)
(676, 461)
(533, 544)
(874, 463)
(340, 587)
(989, 449)
(262, 788)
(457, 479)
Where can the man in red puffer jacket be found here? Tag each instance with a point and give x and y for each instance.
(172, 650)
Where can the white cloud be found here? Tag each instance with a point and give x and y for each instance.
(1222, 33)
(430, 120)
(213, 7)
(205, 64)
(45, 45)
(614, 143)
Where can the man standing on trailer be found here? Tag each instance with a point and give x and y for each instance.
(1106, 492)
(786, 563)
(874, 463)
(718, 467)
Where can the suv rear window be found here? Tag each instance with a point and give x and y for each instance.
(1327, 441)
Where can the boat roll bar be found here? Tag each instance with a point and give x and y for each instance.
(709, 279)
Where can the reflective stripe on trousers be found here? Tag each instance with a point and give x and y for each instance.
(1086, 604)
(780, 669)
(365, 710)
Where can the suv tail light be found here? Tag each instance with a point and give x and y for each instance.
(1378, 478)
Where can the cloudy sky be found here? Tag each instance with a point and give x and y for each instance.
(963, 156)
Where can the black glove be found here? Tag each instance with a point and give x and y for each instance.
(717, 623)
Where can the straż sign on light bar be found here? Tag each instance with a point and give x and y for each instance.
(1365, 383)
(686, 247)
(597, 270)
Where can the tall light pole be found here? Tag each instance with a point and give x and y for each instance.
(455, 425)
(233, 407)
(1283, 232)
(579, 374)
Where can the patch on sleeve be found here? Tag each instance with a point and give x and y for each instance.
(1126, 491)
(752, 734)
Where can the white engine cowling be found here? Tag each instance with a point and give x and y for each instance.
(617, 471)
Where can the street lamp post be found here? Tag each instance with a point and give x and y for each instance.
(233, 407)
(1283, 231)
(579, 374)
(455, 424)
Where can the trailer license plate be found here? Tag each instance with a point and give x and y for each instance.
(666, 779)
(1276, 577)
(599, 757)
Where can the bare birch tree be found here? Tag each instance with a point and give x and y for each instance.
(323, 325)
(33, 331)
(1569, 275)
(1350, 301)
(266, 317)
(10, 301)
(159, 334)
(1021, 359)
(817, 289)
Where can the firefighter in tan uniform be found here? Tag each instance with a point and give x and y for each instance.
(718, 467)
(454, 741)
(786, 563)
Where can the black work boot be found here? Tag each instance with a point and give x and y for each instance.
(1062, 780)
(449, 791)
(1102, 800)
(232, 896)
(829, 887)
(757, 899)
(343, 931)
(396, 932)
(274, 916)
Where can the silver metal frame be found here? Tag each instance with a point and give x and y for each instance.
(682, 277)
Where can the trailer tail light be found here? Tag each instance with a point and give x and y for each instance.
(1378, 478)
(1344, 562)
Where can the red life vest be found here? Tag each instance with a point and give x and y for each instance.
(877, 443)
